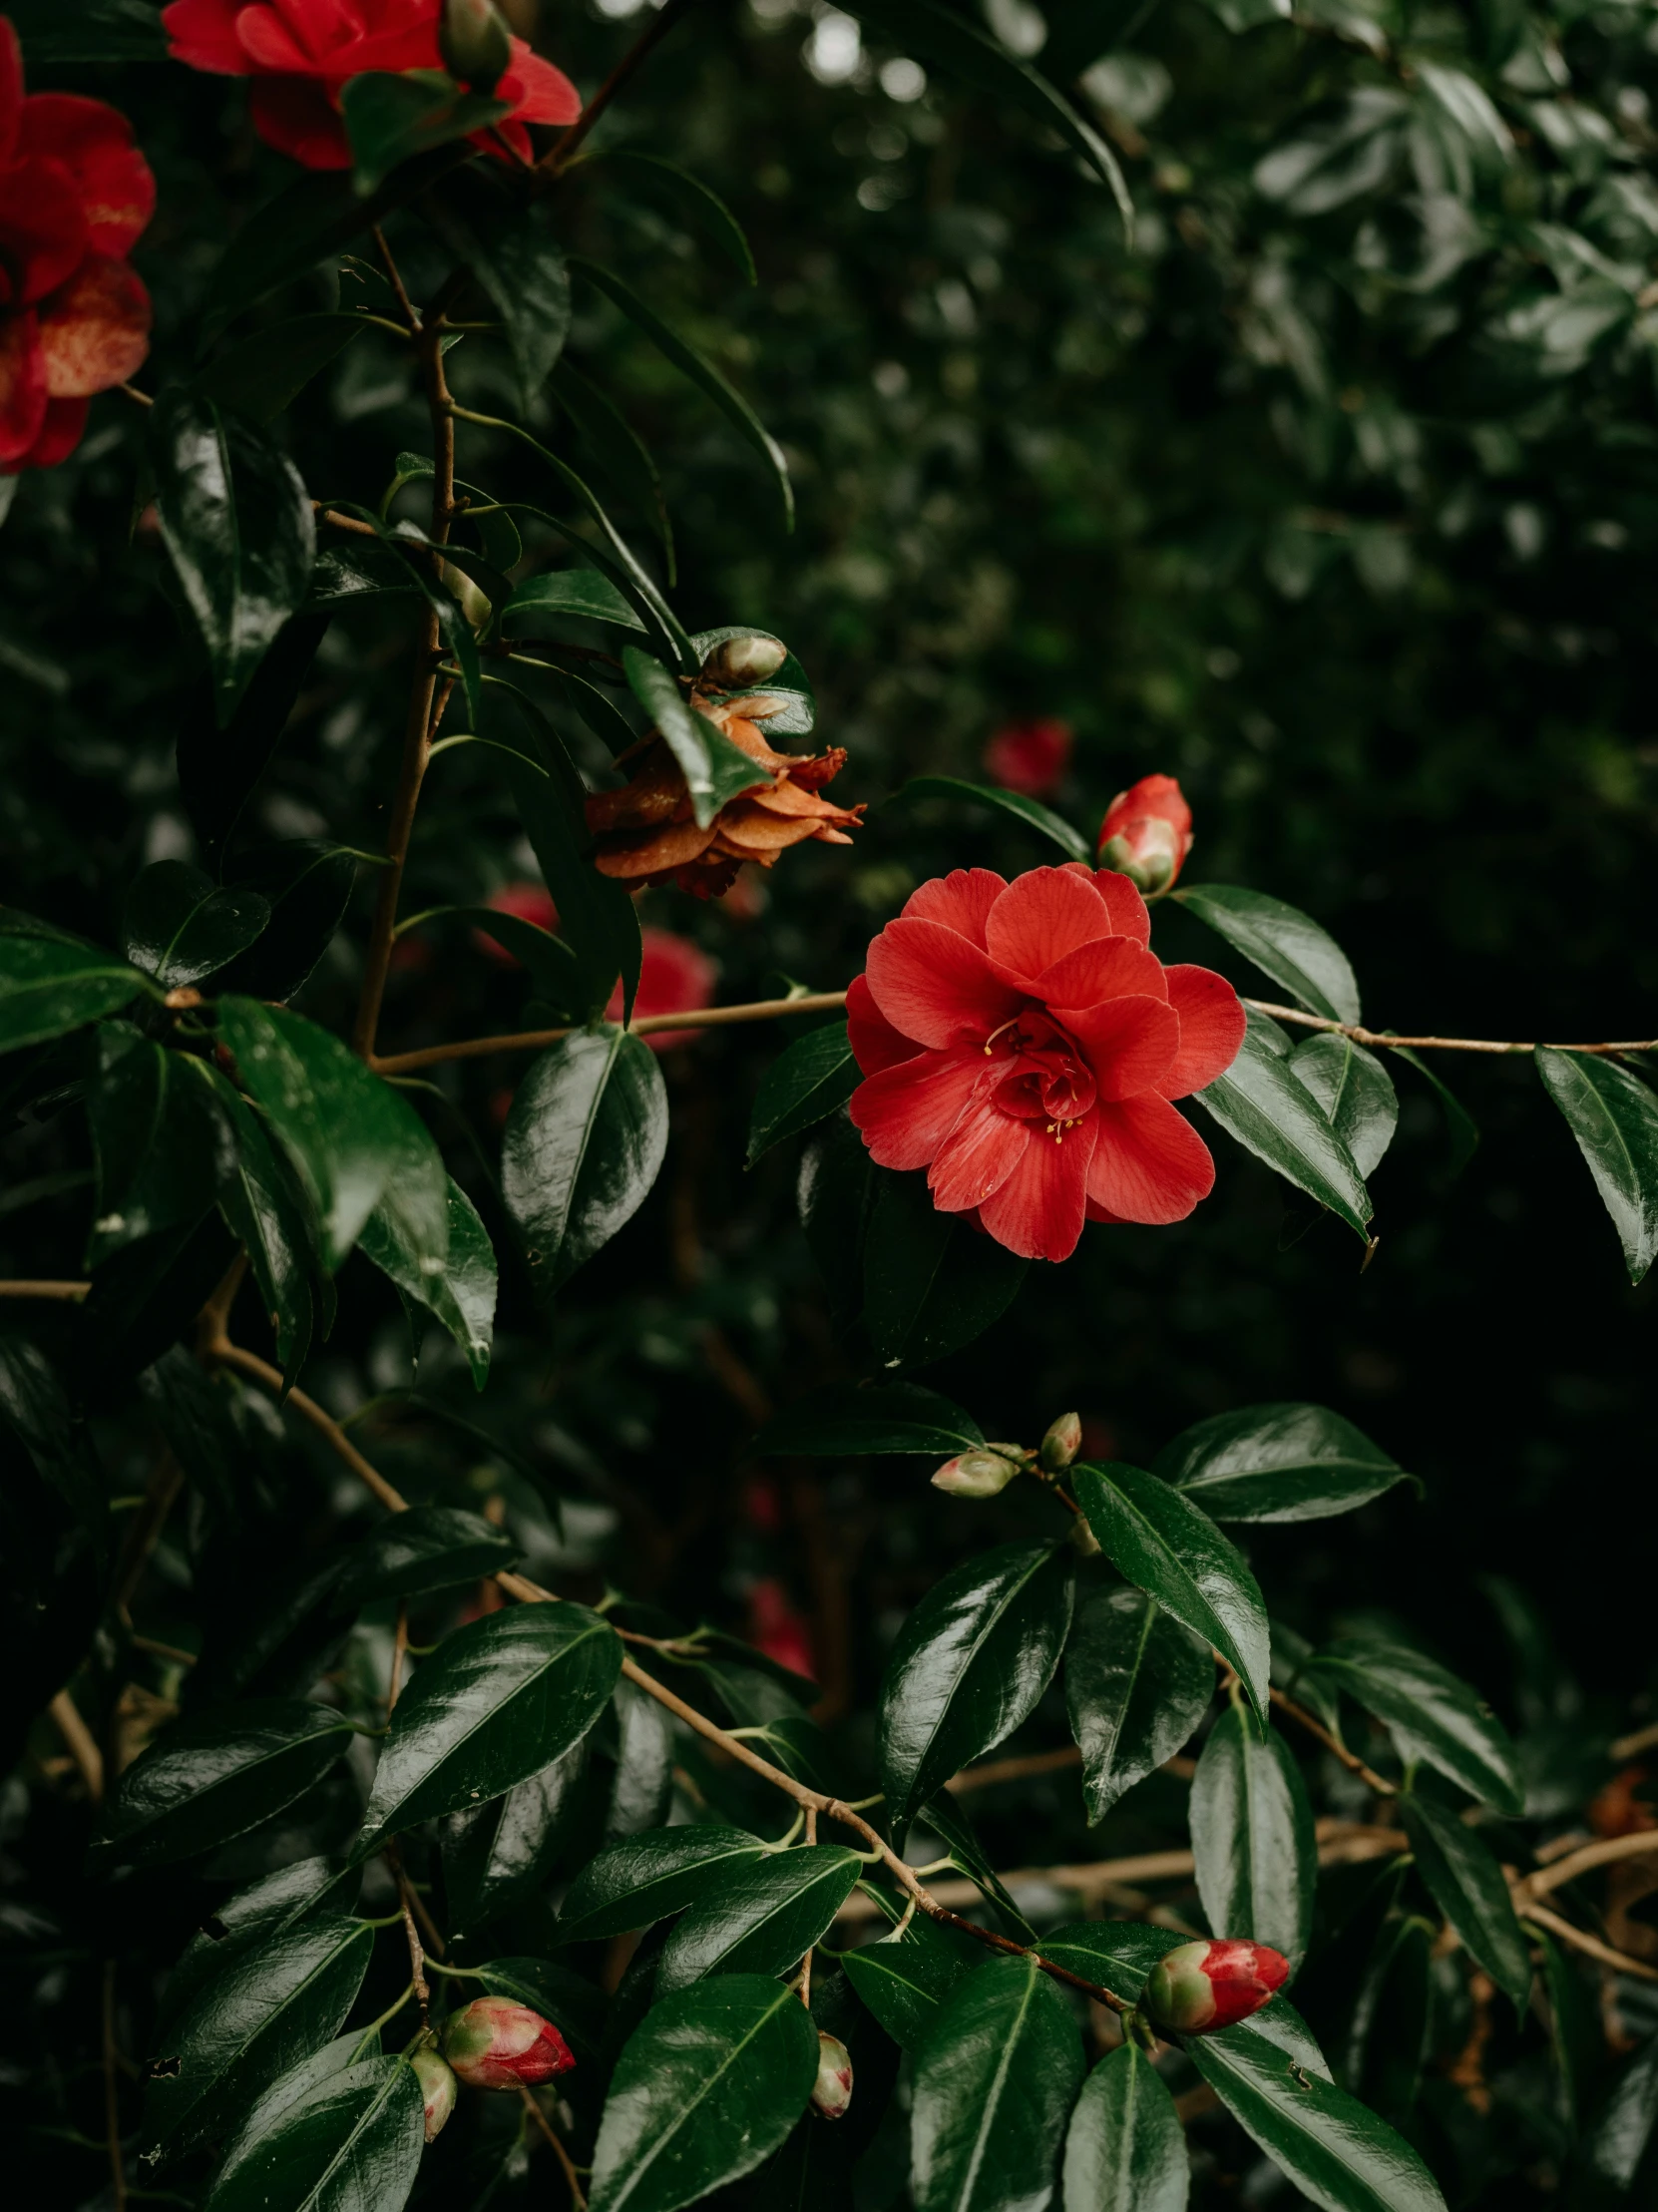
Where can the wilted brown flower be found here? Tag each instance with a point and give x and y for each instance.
(646, 833)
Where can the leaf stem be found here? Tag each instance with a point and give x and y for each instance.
(557, 160)
(1383, 1040)
(537, 1040)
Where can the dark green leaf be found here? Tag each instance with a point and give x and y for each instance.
(620, 451)
(180, 928)
(843, 1420)
(1333, 2150)
(235, 518)
(506, 241)
(1459, 1124)
(1283, 943)
(1387, 2031)
(1259, 1102)
(584, 1142)
(903, 1978)
(36, 1410)
(801, 1088)
(497, 1701)
(1614, 1118)
(1159, 1543)
(297, 2086)
(1115, 1954)
(946, 1817)
(1252, 1838)
(426, 1548)
(932, 1282)
(699, 369)
(995, 2079)
(1126, 2150)
(548, 961)
(270, 1218)
(216, 1775)
(1277, 1463)
(643, 1878)
(762, 1918)
(708, 2087)
(783, 1731)
(1575, 2031)
(310, 885)
(1354, 1091)
(1137, 1685)
(576, 592)
(95, 31)
(352, 2139)
(1430, 1714)
(354, 1141)
(642, 1786)
(1030, 812)
(715, 769)
(687, 198)
(48, 986)
(968, 1665)
(156, 1134)
(218, 768)
(390, 118)
(1467, 1884)
(463, 1295)
(1612, 2156)
(260, 375)
(495, 1856)
(272, 2005)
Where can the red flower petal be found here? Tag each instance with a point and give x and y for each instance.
(10, 88)
(1039, 1211)
(874, 1042)
(94, 330)
(1149, 1165)
(905, 1112)
(272, 47)
(539, 91)
(976, 1156)
(1109, 967)
(935, 986)
(1042, 916)
(293, 114)
(202, 35)
(1130, 1042)
(1130, 916)
(1212, 1025)
(43, 233)
(60, 434)
(22, 389)
(962, 901)
(113, 184)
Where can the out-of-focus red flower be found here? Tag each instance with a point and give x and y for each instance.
(495, 2043)
(1198, 1987)
(1031, 758)
(75, 195)
(1148, 833)
(1022, 1042)
(302, 52)
(675, 977)
(1618, 1810)
(1099, 1439)
(762, 1509)
(777, 1630)
(530, 902)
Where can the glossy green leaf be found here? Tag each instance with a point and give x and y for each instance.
(582, 593)
(1467, 1884)
(236, 520)
(463, 1295)
(1030, 812)
(758, 1699)
(1283, 943)
(1252, 1838)
(715, 769)
(95, 31)
(642, 1781)
(968, 1665)
(270, 1216)
(1431, 1714)
(214, 1775)
(1259, 1102)
(508, 242)
(1461, 1127)
(689, 199)
(932, 1282)
(584, 1142)
(803, 1085)
(842, 1420)
(1161, 1543)
(1114, 1954)
(354, 1141)
(157, 1134)
(1354, 1093)
(1333, 2149)
(353, 2139)
(296, 2088)
(762, 1918)
(708, 2087)
(1137, 1685)
(791, 701)
(903, 1978)
(309, 884)
(262, 376)
(180, 927)
(1277, 1463)
(429, 1547)
(621, 454)
(497, 1701)
(1126, 2150)
(1614, 1118)
(1576, 2036)
(1614, 2155)
(551, 967)
(698, 369)
(35, 1410)
(995, 2080)
(1388, 2030)
(948, 1819)
(495, 1856)
(49, 985)
(390, 118)
(272, 2005)
(645, 1877)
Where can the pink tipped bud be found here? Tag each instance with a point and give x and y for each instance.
(438, 2090)
(475, 43)
(979, 1474)
(832, 2092)
(1200, 1986)
(1148, 833)
(1061, 1444)
(495, 2043)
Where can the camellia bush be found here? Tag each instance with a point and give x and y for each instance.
(581, 1625)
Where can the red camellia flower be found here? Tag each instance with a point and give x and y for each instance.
(1029, 757)
(495, 2043)
(302, 52)
(675, 977)
(1198, 1987)
(1022, 1042)
(777, 1628)
(75, 194)
(528, 902)
(1148, 833)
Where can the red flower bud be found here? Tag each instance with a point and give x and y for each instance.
(495, 2043)
(832, 2092)
(438, 2090)
(1148, 833)
(1029, 758)
(1200, 1986)
(475, 43)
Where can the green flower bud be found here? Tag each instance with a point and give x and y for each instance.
(832, 2090)
(475, 43)
(979, 1474)
(1061, 1444)
(741, 662)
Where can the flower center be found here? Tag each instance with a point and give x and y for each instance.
(1042, 1075)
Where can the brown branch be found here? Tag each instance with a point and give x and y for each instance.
(400, 1645)
(112, 2092)
(337, 520)
(407, 1900)
(1590, 1946)
(1642, 1739)
(395, 280)
(166, 1482)
(1642, 1845)
(537, 1040)
(24, 1289)
(577, 2197)
(1336, 1749)
(1382, 1042)
(559, 158)
(82, 1744)
(224, 1353)
(1013, 1770)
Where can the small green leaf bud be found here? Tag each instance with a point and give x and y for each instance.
(475, 43)
(1061, 1444)
(741, 662)
(979, 1474)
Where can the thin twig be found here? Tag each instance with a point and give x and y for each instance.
(1013, 1770)
(577, 2197)
(805, 1984)
(82, 1744)
(1642, 1739)
(537, 1040)
(112, 2092)
(400, 1644)
(1642, 1845)
(1337, 1750)
(554, 161)
(166, 1480)
(395, 280)
(337, 520)
(406, 1903)
(1590, 1946)
(20, 1288)
(1381, 1040)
